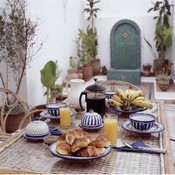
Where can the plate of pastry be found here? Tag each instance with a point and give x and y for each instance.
(53, 149)
(79, 145)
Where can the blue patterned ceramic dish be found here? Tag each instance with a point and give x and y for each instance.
(76, 158)
(142, 121)
(36, 138)
(156, 128)
(91, 120)
(54, 108)
(37, 128)
(46, 114)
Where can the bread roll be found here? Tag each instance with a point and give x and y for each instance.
(72, 135)
(63, 148)
(61, 138)
(79, 144)
(90, 151)
(100, 142)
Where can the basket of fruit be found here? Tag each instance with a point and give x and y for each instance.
(129, 101)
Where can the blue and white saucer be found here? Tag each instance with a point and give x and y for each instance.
(45, 114)
(91, 128)
(156, 128)
(35, 138)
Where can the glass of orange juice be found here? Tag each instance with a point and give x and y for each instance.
(111, 127)
(65, 120)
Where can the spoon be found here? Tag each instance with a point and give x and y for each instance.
(158, 150)
(128, 145)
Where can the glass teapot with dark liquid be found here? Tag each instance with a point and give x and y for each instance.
(94, 98)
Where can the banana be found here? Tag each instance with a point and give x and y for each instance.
(139, 98)
(130, 94)
(142, 93)
(127, 91)
(135, 94)
(114, 103)
(143, 103)
(121, 94)
(117, 98)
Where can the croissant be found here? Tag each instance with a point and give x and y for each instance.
(63, 148)
(72, 135)
(61, 138)
(79, 143)
(100, 142)
(90, 151)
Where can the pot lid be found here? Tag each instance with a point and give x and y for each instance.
(95, 87)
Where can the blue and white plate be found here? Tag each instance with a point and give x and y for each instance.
(134, 110)
(91, 128)
(45, 114)
(35, 138)
(157, 127)
(55, 153)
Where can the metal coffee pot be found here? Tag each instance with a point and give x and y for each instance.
(94, 98)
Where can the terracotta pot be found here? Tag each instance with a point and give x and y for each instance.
(74, 74)
(96, 65)
(42, 106)
(13, 122)
(87, 73)
(80, 73)
(164, 84)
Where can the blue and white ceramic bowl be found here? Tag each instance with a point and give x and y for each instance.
(109, 94)
(37, 128)
(142, 121)
(91, 119)
(54, 108)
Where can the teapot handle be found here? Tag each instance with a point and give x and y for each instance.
(82, 93)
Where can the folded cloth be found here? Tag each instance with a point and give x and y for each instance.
(55, 131)
(137, 146)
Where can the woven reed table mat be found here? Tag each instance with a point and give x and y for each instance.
(170, 113)
(36, 157)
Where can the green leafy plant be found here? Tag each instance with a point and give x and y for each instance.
(163, 29)
(74, 62)
(17, 38)
(89, 44)
(56, 90)
(88, 40)
(49, 74)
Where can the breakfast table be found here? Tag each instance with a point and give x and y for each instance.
(20, 155)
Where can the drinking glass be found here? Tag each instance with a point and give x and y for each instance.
(65, 119)
(111, 127)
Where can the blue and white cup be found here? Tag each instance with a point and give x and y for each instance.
(54, 108)
(142, 121)
(109, 94)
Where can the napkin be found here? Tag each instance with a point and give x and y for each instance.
(135, 148)
(55, 131)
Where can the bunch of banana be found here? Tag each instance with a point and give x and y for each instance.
(127, 98)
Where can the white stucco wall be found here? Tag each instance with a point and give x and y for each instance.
(58, 29)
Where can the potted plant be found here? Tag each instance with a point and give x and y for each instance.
(49, 74)
(164, 77)
(163, 31)
(88, 38)
(17, 38)
(163, 81)
(56, 91)
(147, 69)
(74, 71)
